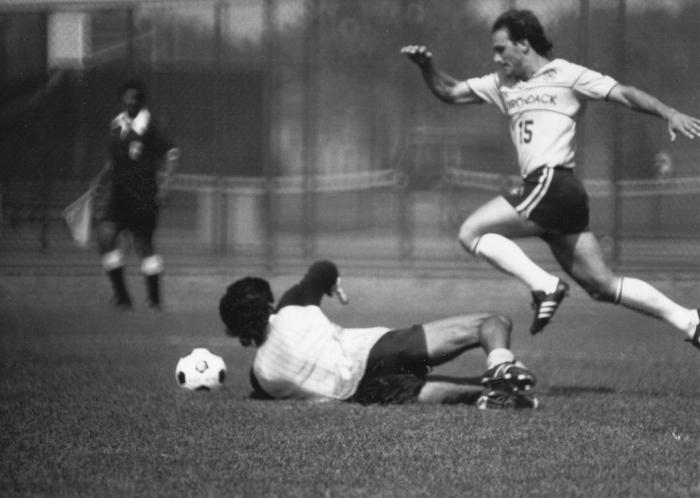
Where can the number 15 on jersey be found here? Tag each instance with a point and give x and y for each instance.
(524, 131)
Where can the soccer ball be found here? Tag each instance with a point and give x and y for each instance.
(201, 370)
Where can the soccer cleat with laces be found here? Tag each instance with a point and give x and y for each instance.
(511, 376)
(121, 304)
(493, 399)
(545, 305)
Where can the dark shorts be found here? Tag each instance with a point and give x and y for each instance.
(554, 198)
(139, 217)
(396, 370)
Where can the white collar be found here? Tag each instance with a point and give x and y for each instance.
(139, 124)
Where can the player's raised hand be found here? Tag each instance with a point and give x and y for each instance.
(418, 54)
(682, 123)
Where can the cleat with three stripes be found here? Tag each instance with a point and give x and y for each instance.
(545, 305)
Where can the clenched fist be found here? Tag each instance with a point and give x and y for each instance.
(417, 54)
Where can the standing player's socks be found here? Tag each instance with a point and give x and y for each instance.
(121, 295)
(153, 289)
(113, 264)
(151, 268)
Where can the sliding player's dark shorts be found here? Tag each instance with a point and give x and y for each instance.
(396, 370)
(554, 198)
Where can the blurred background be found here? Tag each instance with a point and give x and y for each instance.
(305, 134)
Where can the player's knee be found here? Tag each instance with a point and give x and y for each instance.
(496, 324)
(152, 265)
(503, 322)
(468, 238)
(112, 260)
(601, 291)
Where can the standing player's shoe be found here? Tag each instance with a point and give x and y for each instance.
(122, 304)
(695, 340)
(153, 305)
(511, 376)
(493, 399)
(545, 305)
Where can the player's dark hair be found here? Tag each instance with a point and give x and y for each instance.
(133, 84)
(245, 309)
(524, 25)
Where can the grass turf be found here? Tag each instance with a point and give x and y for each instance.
(89, 404)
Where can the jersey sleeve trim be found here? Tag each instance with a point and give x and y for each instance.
(471, 90)
(607, 95)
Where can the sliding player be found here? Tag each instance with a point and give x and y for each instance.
(301, 354)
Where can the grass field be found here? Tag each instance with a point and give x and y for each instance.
(90, 406)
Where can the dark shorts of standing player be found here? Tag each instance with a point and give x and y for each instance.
(139, 218)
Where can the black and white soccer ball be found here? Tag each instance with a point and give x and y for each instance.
(201, 370)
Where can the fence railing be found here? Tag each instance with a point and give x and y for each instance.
(305, 132)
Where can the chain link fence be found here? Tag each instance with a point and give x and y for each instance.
(306, 134)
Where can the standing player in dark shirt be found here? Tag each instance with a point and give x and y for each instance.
(137, 149)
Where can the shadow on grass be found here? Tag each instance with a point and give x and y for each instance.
(464, 381)
(578, 390)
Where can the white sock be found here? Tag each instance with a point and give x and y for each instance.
(694, 322)
(112, 260)
(152, 265)
(507, 256)
(498, 356)
(640, 296)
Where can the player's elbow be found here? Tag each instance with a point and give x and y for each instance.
(449, 96)
(173, 154)
(443, 94)
(624, 94)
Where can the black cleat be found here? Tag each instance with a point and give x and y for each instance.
(545, 305)
(695, 340)
(511, 376)
(121, 304)
(155, 306)
(492, 399)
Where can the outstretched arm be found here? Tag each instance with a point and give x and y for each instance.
(172, 161)
(640, 101)
(441, 84)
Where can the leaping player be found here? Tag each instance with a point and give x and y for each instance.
(542, 97)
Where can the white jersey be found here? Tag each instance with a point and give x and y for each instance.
(542, 110)
(306, 356)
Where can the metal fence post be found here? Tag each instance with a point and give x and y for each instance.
(582, 46)
(310, 129)
(268, 156)
(619, 127)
